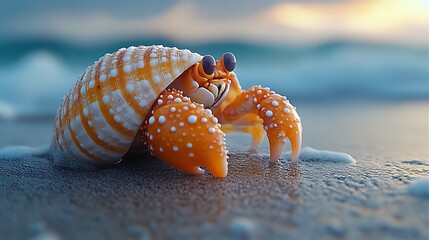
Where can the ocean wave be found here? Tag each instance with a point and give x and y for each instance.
(34, 85)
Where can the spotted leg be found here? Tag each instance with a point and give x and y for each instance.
(185, 135)
(250, 124)
(280, 119)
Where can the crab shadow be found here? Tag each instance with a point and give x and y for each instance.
(241, 165)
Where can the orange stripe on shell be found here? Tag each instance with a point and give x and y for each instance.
(108, 75)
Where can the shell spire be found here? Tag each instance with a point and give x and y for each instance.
(100, 116)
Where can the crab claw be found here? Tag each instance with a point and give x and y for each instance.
(185, 135)
(280, 119)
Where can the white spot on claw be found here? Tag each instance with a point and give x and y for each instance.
(275, 103)
(127, 68)
(175, 148)
(161, 119)
(106, 99)
(269, 113)
(173, 129)
(152, 120)
(286, 110)
(203, 120)
(113, 73)
(192, 119)
(211, 130)
(189, 145)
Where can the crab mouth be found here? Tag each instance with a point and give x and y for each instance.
(219, 87)
(218, 80)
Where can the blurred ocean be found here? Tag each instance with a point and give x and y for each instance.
(35, 75)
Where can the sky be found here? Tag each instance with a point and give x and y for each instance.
(403, 22)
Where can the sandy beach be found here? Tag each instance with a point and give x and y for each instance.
(143, 198)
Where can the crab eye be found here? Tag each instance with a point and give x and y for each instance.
(229, 61)
(209, 64)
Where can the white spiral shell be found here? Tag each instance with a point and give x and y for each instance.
(100, 116)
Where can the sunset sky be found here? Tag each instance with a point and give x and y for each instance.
(403, 22)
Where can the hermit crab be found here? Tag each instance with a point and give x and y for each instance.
(174, 103)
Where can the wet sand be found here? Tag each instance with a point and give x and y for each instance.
(143, 198)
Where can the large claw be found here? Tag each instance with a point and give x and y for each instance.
(185, 135)
(280, 119)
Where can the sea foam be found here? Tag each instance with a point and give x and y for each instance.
(21, 152)
(309, 154)
(419, 188)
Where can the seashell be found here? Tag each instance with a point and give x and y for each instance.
(99, 118)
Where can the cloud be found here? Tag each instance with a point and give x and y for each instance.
(391, 21)
(184, 21)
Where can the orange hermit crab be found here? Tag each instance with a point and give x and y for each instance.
(171, 102)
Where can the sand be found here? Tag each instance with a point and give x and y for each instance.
(371, 197)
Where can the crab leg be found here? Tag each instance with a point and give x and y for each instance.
(185, 135)
(253, 127)
(280, 119)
